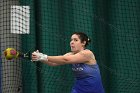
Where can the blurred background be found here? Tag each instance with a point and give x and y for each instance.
(47, 25)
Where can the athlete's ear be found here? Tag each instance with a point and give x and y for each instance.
(84, 43)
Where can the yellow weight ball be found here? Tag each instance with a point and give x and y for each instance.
(10, 53)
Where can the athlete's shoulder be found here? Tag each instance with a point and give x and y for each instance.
(87, 51)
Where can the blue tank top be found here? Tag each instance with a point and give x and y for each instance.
(88, 79)
(83, 70)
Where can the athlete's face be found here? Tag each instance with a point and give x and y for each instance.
(76, 44)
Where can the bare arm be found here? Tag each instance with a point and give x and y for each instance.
(84, 56)
(35, 57)
(53, 63)
(81, 57)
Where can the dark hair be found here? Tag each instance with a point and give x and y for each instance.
(83, 37)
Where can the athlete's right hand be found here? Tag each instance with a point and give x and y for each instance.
(37, 56)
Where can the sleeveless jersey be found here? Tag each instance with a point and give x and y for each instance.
(88, 79)
(82, 70)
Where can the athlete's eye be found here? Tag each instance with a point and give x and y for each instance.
(75, 40)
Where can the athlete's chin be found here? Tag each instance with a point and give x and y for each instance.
(74, 50)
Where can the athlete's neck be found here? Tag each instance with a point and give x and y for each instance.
(75, 52)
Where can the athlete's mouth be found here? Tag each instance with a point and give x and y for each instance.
(72, 46)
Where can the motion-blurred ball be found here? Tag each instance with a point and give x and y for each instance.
(10, 53)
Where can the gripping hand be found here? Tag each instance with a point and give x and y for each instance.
(37, 56)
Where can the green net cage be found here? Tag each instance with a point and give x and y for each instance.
(47, 25)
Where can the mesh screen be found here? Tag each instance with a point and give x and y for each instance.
(47, 25)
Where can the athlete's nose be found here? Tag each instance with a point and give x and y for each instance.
(72, 43)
